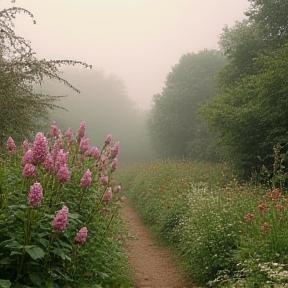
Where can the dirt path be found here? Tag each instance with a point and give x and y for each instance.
(151, 264)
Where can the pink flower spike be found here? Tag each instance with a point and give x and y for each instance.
(84, 144)
(81, 235)
(35, 195)
(54, 131)
(86, 179)
(29, 171)
(40, 148)
(115, 150)
(108, 195)
(95, 152)
(63, 174)
(27, 158)
(60, 221)
(81, 131)
(48, 164)
(11, 146)
(25, 146)
(104, 179)
(69, 135)
(114, 164)
(108, 139)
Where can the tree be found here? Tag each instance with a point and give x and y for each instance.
(23, 110)
(173, 121)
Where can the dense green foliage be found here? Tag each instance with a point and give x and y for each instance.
(225, 234)
(174, 125)
(39, 246)
(249, 115)
(20, 70)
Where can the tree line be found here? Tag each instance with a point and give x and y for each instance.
(230, 104)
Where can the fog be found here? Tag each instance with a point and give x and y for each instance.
(138, 40)
(132, 46)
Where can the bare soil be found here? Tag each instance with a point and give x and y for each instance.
(151, 265)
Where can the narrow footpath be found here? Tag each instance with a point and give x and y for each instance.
(151, 264)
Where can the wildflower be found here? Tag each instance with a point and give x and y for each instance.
(273, 195)
(48, 164)
(29, 170)
(84, 144)
(63, 174)
(35, 195)
(95, 152)
(114, 164)
(265, 226)
(27, 158)
(108, 195)
(81, 132)
(61, 159)
(54, 131)
(86, 179)
(81, 235)
(11, 146)
(104, 179)
(117, 188)
(115, 150)
(108, 139)
(123, 198)
(249, 217)
(25, 146)
(262, 208)
(61, 218)
(68, 136)
(40, 148)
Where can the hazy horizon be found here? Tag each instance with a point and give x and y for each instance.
(137, 40)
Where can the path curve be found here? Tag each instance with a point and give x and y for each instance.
(151, 264)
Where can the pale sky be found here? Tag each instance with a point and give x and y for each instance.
(138, 40)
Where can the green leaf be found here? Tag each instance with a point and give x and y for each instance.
(5, 283)
(59, 252)
(36, 279)
(35, 252)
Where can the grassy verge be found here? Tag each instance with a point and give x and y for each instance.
(226, 234)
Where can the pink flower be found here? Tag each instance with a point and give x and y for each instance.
(11, 146)
(262, 208)
(27, 158)
(84, 144)
(117, 188)
(81, 235)
(40, 148)
(108, 139)
(61, 218)
(86, 179)
(249, 217)
(63, 174)
(29, 170)
(35, 195)
(54, 131)
(61, 159)
(115, 150)
(48, 164)
(108, 195)
(265, 227)
(114, 164)
(95, 152)
(68, 136)
(25, 146)
(81, 131)
(104, 179)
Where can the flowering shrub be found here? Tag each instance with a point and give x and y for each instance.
(53, 230)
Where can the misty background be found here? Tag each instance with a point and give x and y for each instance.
(132, 46)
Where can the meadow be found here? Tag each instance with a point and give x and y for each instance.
(224, 233)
